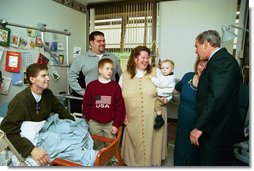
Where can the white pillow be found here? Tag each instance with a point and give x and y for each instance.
(30, 130)
(1, 118)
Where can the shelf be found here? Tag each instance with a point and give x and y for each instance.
(69, 97)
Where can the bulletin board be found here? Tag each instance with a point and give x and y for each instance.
(27, 45)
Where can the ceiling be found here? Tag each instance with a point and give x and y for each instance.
(81, 5)
(88, 2)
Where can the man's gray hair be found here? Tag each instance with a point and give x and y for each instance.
(210, 36)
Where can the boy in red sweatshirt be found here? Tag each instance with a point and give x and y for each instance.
(103, 105)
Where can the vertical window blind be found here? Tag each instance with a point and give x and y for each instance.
(125, 25)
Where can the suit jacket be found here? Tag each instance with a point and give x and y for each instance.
(218, 101)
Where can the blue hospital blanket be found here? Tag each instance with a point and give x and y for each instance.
(67, 139)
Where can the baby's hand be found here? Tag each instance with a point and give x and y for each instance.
(154, 80)
(165, 100)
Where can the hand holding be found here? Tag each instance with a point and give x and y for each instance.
(114, 130)
(125, 121)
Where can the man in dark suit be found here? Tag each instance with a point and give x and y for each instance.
(217, 128)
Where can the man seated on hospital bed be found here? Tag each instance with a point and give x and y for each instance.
(34, 103)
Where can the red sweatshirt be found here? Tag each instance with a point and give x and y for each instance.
(103, 102)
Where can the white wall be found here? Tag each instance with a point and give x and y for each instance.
(57, 17)
(181, 22)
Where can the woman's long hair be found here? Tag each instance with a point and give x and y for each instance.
(131, 65)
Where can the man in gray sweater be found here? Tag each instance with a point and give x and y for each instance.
(88, 63)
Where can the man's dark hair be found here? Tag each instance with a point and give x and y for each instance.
(33, 70)
(95, 33)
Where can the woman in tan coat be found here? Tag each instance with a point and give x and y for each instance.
(142, 145)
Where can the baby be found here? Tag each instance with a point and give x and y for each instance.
(165, 84)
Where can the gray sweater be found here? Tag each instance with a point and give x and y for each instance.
(88, 64)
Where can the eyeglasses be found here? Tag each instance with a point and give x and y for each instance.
(37, 108)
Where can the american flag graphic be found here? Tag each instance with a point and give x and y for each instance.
(103, 100)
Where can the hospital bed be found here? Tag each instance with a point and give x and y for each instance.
(4, 144)
(103, 156)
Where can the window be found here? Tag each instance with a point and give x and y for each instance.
(125, 25)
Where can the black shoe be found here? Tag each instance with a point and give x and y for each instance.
(159, 122)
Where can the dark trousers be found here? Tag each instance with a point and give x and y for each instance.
(216, 156)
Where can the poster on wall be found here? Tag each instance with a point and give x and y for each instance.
(13, 60)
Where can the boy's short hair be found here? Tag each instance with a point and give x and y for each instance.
(33, 70)
(170, 62)
(103, 61)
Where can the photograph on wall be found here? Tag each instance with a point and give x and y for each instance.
(30, 32)
(60, 46)
(53, 46)
(24, 43)
(25, 79)
(1, 52)
(61, 59)
(1, 79)
(16, 79)
(42, 59)
(5, 36)
(54, 74)
(46, 45)
(76, 52)
(14, 41)
(4, 89)
(31, 43)
(38, 41)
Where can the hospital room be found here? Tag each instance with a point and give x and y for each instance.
(124, 83)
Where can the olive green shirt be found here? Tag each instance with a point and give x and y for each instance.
(23, 107)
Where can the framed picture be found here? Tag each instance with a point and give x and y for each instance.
(4, 89)
(38, 41)
(5, 36)
(54, 74)
(13, 60)
(61, 59)
(25, 79)
(53, 46)
(42, 59)
(14, 41)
